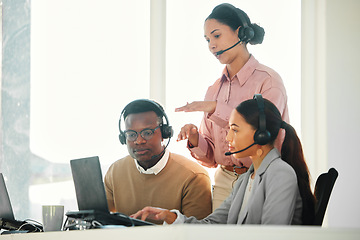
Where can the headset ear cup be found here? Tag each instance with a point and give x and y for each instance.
(246, 34)
(262, 137)
(122, 138)
(249, 33)
(166, 131)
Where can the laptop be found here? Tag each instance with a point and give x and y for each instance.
(7, 219)
(91, 196)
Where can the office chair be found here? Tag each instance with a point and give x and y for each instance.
(323, 187)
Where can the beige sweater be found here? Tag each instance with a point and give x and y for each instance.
(182, 184)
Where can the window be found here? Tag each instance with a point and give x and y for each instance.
(88, 60)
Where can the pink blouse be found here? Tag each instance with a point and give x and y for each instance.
(252, 78)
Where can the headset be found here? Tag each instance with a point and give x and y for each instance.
(246, 33)
(261, 136)
(166, 129)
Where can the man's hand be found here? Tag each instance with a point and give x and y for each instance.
(190, 132)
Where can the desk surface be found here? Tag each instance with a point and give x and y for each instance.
(205, 232)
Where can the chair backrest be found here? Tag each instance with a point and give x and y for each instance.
(323, 187)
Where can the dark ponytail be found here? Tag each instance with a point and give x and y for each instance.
(292, 153)
(231, 16)
(291, 150)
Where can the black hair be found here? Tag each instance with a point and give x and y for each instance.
(144, 105)
(227, 14)
(291, 150)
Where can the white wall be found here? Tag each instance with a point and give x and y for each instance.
(330, 110)
(343, 110)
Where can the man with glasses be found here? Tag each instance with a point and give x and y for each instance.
(151, 175)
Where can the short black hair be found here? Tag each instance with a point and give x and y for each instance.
(143, 105)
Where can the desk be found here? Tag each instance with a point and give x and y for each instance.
(199, 232)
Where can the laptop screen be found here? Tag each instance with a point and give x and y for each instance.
(5, 204)
(89, 186)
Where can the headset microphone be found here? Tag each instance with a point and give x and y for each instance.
(231, 153)
(222, 51)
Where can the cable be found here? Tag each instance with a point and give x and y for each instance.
(95, 223)
(65, 226)
(36, 228)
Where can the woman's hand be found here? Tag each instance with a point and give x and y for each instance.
(190, 132)
(198, 106)
(155, 214)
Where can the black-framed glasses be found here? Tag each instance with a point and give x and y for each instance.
(146, 134)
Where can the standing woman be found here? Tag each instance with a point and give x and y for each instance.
(228, 30)
(275, 190)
